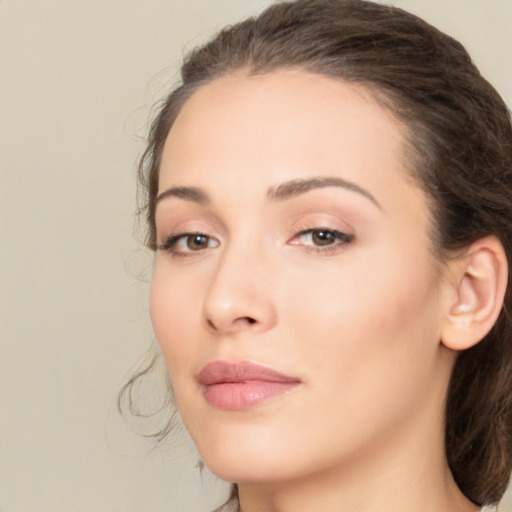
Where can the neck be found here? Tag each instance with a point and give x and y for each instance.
(388, 488)
(387, 485)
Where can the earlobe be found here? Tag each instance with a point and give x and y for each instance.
(480, 281)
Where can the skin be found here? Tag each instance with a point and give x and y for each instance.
(359, 321)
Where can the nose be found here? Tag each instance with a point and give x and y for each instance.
(239, 297)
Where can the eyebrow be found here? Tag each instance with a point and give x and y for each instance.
(193, 194)
(282, 192)
(301, 186)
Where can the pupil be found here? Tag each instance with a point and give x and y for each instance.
(323, 237)
(196, 242)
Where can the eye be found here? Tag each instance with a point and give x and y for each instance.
(321, 239)
(183, 243)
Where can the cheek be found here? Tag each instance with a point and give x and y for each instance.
(370, 342)
(174, 309)
(367, 318)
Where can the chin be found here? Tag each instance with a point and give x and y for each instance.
(239, 469)
(246, 457)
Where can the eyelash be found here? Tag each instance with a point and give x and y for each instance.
(340, 239)
(170, 243)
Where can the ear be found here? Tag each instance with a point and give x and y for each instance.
(478, 282)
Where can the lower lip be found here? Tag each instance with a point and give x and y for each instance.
(243, 395)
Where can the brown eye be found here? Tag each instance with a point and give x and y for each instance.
(197, 242)
(323, 237)
(183, 243)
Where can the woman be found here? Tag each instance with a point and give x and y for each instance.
(329, 201)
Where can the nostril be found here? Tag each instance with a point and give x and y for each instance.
(239, 321)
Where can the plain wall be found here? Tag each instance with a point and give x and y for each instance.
(77, 80)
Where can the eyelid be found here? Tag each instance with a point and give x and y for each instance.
(170, 242)
(342, 239)
(181, 222)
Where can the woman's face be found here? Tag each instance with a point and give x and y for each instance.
(294, 295)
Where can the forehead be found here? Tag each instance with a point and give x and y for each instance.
(264, 129)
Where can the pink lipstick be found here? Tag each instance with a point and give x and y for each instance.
(242, 385)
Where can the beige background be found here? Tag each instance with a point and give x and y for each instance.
(77, 79)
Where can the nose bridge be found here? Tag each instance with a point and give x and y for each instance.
(239, 295)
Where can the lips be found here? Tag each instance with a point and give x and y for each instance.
(242, 385)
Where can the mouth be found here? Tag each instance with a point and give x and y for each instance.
(242, 385)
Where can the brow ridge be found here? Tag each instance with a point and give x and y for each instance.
(301, 186)
(194, 194)
(281, 192)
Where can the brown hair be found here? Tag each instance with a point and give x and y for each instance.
(460, 151)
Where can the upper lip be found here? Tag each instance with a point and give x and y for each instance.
(219, 372)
